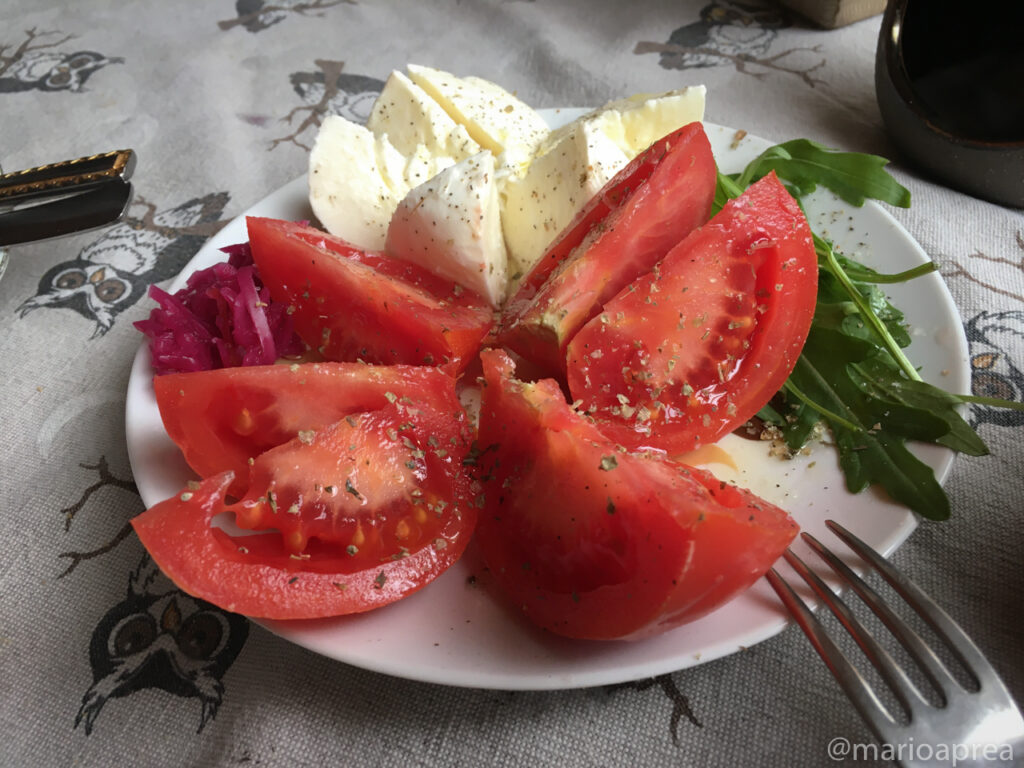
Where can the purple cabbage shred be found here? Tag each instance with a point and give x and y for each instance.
(222, 318)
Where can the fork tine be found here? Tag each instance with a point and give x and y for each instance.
(966, 652)
(897, 680)
(918, 649)
(849, 677)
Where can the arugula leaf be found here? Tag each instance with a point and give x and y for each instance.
(800, 426)
(725, 190)
(804, 164)
(863, 274)
(836, 308)
(873, 308)
(923, 402)
(871, 452)
(846, 370)
(995, 402)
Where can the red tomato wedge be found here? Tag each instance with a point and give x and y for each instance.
(357, 515)
(590, 541)
(221, 419)
(353, 305)
(693, 349)
(648, 207)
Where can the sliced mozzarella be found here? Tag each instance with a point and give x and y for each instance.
(636, 122)
(423, 165)
(578, 159)
(451, 226)
(496, 119)
(414, 122)
(537, 206)
(356, 181)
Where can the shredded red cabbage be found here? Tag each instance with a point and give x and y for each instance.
(223, 317)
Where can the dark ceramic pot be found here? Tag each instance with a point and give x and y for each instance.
(949, 78)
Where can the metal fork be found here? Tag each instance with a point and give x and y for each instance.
(969, 728)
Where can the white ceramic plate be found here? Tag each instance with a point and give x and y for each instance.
(457, 631)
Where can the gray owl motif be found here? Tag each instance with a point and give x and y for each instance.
(997, 350)
(44, 70)
(352, 97)
(112, 273)
(257, 15)
(727, 27)
(256, 18)
(328, 91)
(160, 637)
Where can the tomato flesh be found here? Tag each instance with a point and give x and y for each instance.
(357, 515)
(591, 541)
(648, 207)
(351, 305)
(223, 418)
(693, 349)
(355, 483)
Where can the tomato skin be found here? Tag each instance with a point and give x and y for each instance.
(648, 207)
(252, 576)
(352, 305)
(693, 349)
(220, 419)
(351, 553)
(397, 269)
(590, 541)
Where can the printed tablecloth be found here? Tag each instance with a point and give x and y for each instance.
(221, 100)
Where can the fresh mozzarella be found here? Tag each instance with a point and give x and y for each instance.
(535, 207)
(416, 124)
(577, 160)
(636, 122)
(496, 119)
(451, 226)
(356, 180)
(423, 165)
(555, 187)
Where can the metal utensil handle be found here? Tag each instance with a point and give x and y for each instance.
(101, 206)
(67, 176)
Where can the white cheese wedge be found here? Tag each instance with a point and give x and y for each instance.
(423, 165)
(536, 207)
(451, 226)
(416, 124)
(356, 180)
(494, 118)
(636, 122)
(577, 160)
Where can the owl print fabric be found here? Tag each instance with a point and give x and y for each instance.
(114, 271)
(105, 661)
(159, 637)
(48, 61)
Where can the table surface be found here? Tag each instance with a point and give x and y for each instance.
(222, 100)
